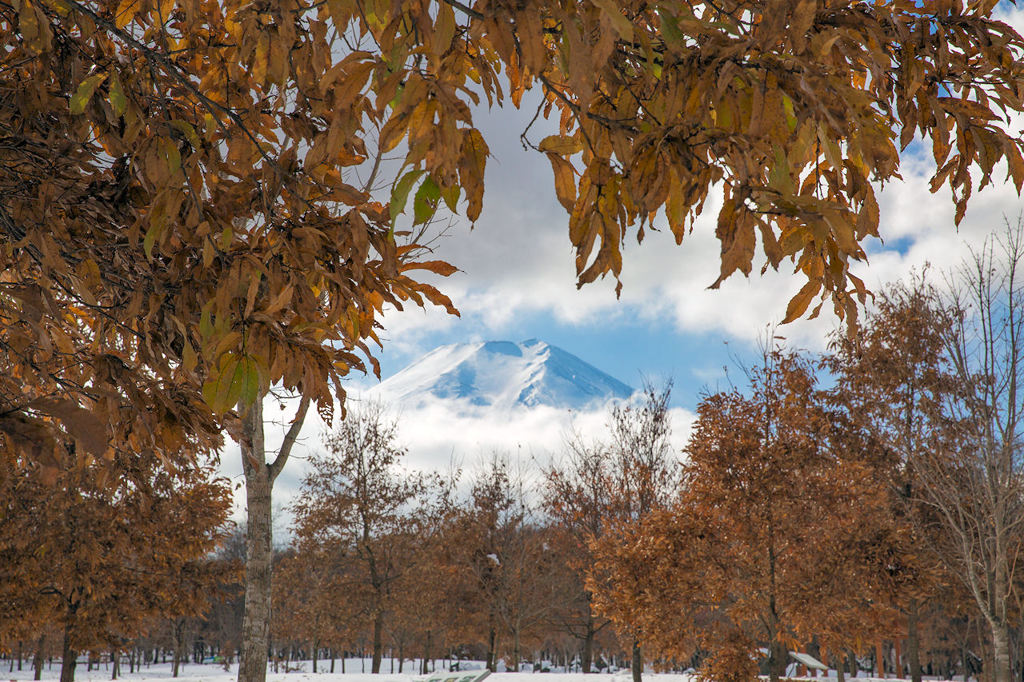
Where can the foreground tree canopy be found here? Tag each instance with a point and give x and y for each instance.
(185, 185)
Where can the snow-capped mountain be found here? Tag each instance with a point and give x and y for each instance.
(502, 375)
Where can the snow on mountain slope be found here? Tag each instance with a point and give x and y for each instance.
(501, 375)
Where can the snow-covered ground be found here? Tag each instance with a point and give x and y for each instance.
(215, 673)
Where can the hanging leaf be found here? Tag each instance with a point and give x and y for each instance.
(400, 193)
(226, 383)
(85, 91)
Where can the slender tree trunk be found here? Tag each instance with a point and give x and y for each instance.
(638, 662)
(913, 641)
(378, 640)
(256, 620)
(839, 663)
(259, 482)
(37, 660)
(69, 657)
(515, 650)
(316, 648)
(492, 642)
(426, 653)
(176, 655)
(115, 661)
(879, 660)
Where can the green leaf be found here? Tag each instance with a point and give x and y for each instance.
(85, 92)
(116, 97)
(425, 203)
(152, 234)
(787, 106)
(450, 195)
(223, 389)
(188, 131)
(400, 193)
(171, 154)
(670, 29)
(250, 390)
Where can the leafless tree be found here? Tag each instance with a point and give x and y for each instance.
(975, 482)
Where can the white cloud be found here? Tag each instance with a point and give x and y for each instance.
(518, 259)
(436, 437)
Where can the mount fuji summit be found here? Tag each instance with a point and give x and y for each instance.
(501, 375)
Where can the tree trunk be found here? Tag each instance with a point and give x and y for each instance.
(913, 642)
(115, 664)
(316, 648)
(69, 657)
(840, 673)
(378, 640)
(638, 662)
(259, 481)
(426, 653)
(258, 540)
(175, 660)
(492, 642)
(515, 650)
(879, 661)
(37, 660)
(1000, 654)
(587, 657)
(778, 657)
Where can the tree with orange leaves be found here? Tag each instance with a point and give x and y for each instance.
(189, 215)
(774, 539)
(103, 558)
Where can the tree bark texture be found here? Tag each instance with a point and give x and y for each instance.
(69, 658)
(913, 641)
(259, 482)
(1000, 654)
(256, 620)
(492, 641)
(378, 640)
(37, 661)
(587, 659)
(778, 657)
(638, 662)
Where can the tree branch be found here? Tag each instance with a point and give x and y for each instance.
(274, 468)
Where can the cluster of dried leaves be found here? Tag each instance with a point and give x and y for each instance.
(181, 210)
